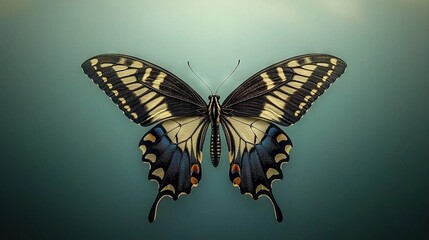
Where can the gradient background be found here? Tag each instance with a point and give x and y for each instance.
(71, 168)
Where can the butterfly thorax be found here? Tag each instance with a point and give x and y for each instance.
(214, 110)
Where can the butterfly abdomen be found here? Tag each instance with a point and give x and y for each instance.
(215, 145)
(214, 116)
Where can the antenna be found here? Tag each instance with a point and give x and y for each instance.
(189, 65)
(238, 63)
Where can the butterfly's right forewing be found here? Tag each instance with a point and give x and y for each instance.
(146, 93)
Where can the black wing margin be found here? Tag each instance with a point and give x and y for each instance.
(283, 92)
(145, 92)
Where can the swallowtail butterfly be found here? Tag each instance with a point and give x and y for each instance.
(277, 95)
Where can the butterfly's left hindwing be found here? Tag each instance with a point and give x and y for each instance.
(173, 149)
(257, 150)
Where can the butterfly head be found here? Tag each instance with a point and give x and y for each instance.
(217, 97)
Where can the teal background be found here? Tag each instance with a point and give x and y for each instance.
(71, 168)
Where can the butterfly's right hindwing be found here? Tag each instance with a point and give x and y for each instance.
(146, 93)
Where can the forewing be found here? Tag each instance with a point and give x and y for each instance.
(173, 149)
(282, 93)
(146, 93)
(257, 149)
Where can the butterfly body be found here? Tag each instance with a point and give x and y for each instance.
(279, 94)
(214, 111)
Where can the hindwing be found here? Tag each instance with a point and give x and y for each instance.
(257, 150)
(173, 149)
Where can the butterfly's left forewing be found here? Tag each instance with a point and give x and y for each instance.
(149, 94)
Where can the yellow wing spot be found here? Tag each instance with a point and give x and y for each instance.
(322, 64)
(271, 172)
(307, 98)
(122, 100)
(159, 80)
(293, 63)
(302, 72)
(104, 79)
(126, 73)
(288, 148)
(309, 67)
(300, 78)
(136, 64)
(261, 187)
(93, 61)
(267, 80)
(134, 115)
(146, 74)
(325, 78)
(297, 112)
(236, 182)
(99, 73)
(133, 86)
(159, 172)
(150, 137)
(281, 74)
(319, 84)
(334, 61)
(140, 92)
(116, 93)
(307, 60)
(314, 91)
(126, 107)
(151, 157)
(296, 85)
(169, 187)
(277, 102)
(181, 194)
(280, 156)
(281, 95)
(104, 65)
(288, 90)
(119, 67)
(153, 103)
(128, 80)
(329, 73)
(281, 137)
(109, 85)
(122, 61)
(302, 105)
(143, 149)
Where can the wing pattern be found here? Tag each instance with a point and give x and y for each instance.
(146, 93)
(173, 149)
(282, 93)
(257, 150)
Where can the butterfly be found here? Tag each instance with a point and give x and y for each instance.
(277, 95)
